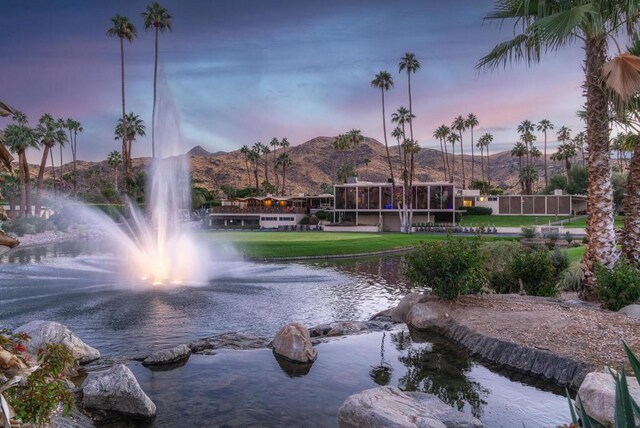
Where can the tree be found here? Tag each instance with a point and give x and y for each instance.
(285, 162)
(578, 142)
(122, 28)
(159, 18)
(441, 134)
(460, 125)
(384, 82)
(411, 65)
(48, 135)
(246, 153)
(480, 145)
(566, 152)
(114, 159)
(355, 138)
(135, 128)
(62, 125)
(487, 139)
(254, 157)
(18, 136)
(549, 26)
(74, 128)
(401, 117)
(519, 150)
(453, 138)
(275, 143)
(543, 126)
(470, 123)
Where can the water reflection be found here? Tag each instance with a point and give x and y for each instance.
(436, 366)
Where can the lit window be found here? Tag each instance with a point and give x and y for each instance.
(467, 203)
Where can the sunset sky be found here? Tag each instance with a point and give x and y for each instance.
(244, 71)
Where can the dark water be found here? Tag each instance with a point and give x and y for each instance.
(78, 285)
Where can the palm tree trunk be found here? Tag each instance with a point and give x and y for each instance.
(73, 154)
(246, 161)
(567, 165)
(61, 166)
(124, 118)
(464, 178)
(631, 231)
(488, 169)
(546, 176)
(53, 174)
(43, 164)
(23, 186)
(482, 161)
(386, 146)
(255, 173)
(266, 168)
(284, 178)
(155, 84)
(444, 160)
(601, 249)
(473, 160)
(115, 172)
(27, 176)
(453, 161)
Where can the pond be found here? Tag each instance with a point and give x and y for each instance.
(77, 284)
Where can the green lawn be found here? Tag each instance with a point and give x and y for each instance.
(295, 244)
(582, 222)
(575, 254)
(507, 221)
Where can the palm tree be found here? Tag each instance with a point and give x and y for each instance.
(520, 150)
(470, 123)
(548, 28)
(410, 63)
(543, 126)
(265, 160)
(459, 124)
(48, 135)
(135, 128)
(18, 136)
(578, 141)
(5, 155)
(62, 125)
(159, 18)
(246, 153)
(480, 145)
(525, 129)
(441, 134)
(453, 138)
(566, 152)
(114, 159)
(402, 117)
(384, 82)
(355, 138)
(254, 156)
(74, 128)
(487, 139)
(285, 161)
(122, 28)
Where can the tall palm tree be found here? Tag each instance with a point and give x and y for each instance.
(74, 128)
(355, 138)
(410, 63)
(114, 159)
(135, 128)
(48, 135)
(548, 26)
(487, 139)
(285, 161)
(453, 138)
(256, 152)
(543, 126)
(18, 136)
(159, 18)
(402, 117)
(5, 155)
(246, 153)
(480, 145)
(441, 134)
(578, 141)
(123, 29)
(471, 122)
(384, 82)
(460, 125)
(520, 150)
(566, 152)
(265, 150)
(525, 129)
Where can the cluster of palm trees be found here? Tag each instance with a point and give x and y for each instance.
(49, 132)
(407, 145)
(347, 144)
(265, 157)
(608, 85)
(159, 19)
(135, 128)
(454, 135)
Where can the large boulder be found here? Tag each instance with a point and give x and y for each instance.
(168, 356)
(117, 390)
(388, 406)
(632, 311)
(400, 312)
(598, 396)
(45, 332)
(294, 343)
(421, 316)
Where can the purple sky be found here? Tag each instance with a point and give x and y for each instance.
(246, 71)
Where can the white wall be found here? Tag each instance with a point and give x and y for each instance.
(270, 224)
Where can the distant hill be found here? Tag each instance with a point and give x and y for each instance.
(315, 162)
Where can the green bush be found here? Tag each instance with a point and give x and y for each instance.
(496, 261)
(571, 278)
(618, 287)
(528, 232)
(536, 270)
(478, 211)
(560, 260)
(451, 268)
(305, 220)
(322, 215)
(27, 225)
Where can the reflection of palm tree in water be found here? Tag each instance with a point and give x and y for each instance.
(381, 374)
(439, 368)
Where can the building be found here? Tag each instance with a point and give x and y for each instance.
(372, 205)
(542, 205)
(266, 212)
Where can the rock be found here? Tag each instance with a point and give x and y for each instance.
(45, 332)
(238, 341)
(294, 343)
(632, 311)
(598, 395)
(400, 312)
(421, 316)
(75, 419)
(168, 356)
(117, 390)
(388, 406)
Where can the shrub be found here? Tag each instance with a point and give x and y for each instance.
(451, 268)
(528, 232)
(305, 220)
(560, 260)
(536, 270)
(322, 215)
(569, 237)
(618, 287)
(571, 278)
(552, 239)
(496, 262)
(28, 225)
(479, 211)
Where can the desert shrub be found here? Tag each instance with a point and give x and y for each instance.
(618, 287)
(305, 220)
(322, 215)
(569, 237)
(479, 211)
(496, 262)
(571, 278)
(560, 260)
(451, 268)
(536, 270)
(528, 232)
(552, 239)
(313, 220)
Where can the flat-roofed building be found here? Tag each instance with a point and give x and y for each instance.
(557, 204)
(361, 203)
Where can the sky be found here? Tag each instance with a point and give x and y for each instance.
(244, 71)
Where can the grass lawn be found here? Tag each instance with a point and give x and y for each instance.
(507, 221)
(295, 244)
(575, 254)
(582, 222)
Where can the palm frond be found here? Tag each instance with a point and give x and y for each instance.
(523, 47)
(622, 76)
(6, 110)
(560, 28)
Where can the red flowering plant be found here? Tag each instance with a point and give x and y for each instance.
(32, 387)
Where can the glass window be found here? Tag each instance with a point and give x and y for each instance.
(447, 197)
(363, 198)
(374, 198)
(422, 198)
(435, 202)
(351, 198)
(340, 198)
(387, 200)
